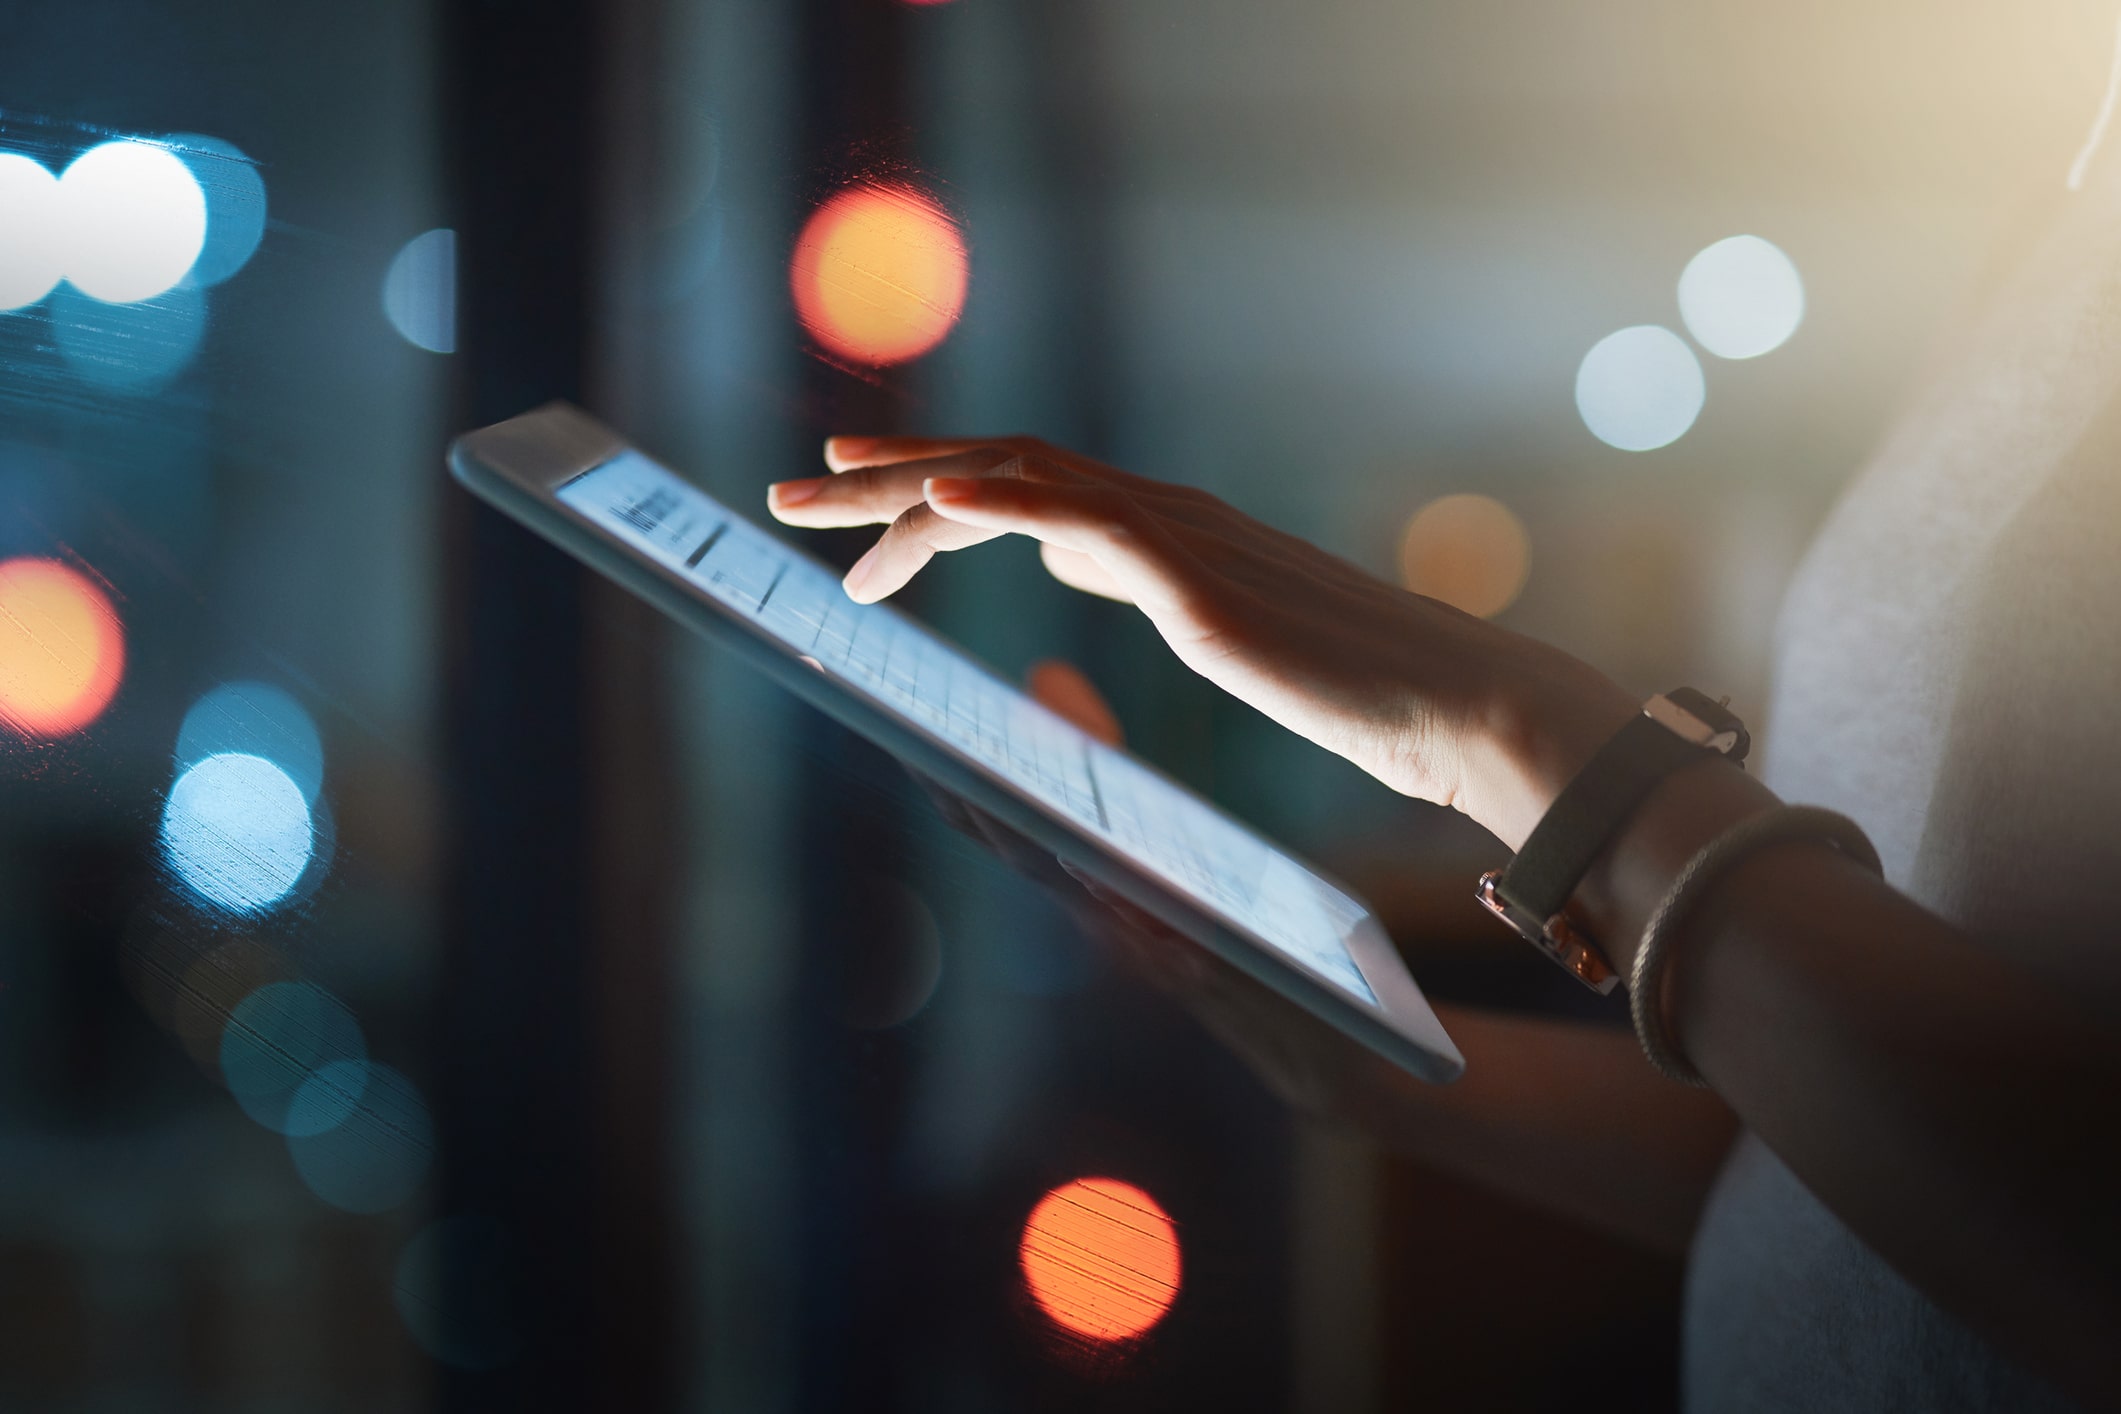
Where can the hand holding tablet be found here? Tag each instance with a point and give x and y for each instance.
(1433, 702)
(1429, 700)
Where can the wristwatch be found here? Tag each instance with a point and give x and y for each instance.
(1531, 894)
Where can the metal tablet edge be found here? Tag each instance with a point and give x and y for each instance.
(555, 442)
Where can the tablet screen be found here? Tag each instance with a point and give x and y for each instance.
(901, 667)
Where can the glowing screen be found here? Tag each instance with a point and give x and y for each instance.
(890, 661)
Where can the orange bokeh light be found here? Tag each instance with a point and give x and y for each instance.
(62, 650)
(1469, 551)
(1101, 1258)
(879, 273)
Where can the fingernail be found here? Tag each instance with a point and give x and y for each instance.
(794, 493)
(949, 488)
(859, 575)
(840, 449)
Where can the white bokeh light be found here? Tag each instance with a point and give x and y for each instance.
(1741, 297)
(420, 291)
(237, 831)
(32, 231)
(135, 221)
(1640, 388)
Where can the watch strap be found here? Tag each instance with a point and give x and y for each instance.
(1589, 811)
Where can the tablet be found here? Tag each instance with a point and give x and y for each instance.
(1098, 809)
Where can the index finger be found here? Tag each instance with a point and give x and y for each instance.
(854, 453)
(866, 495)
(848, 453)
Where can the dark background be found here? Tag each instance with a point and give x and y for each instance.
(610, 902)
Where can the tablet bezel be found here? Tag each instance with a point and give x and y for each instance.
(519, 466)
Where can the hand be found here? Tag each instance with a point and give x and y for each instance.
(1433, 702)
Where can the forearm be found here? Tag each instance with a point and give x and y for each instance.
(1565, 1117)
(1954, 1115)
(1953, 1111)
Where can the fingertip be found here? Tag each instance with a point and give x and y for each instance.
(858, 575)
(783, 494)
(846, 453)
(948, 490)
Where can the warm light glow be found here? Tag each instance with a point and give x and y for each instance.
(1741, 297)
(1640, 388)
(32, 231)
(2100, 122)
(1468, 551)
(879, 274)
(62, 649)
(135, 220)
(1101, 1258)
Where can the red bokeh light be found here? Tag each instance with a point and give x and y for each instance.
(879, 273)
(1101, 1259)
(62, 648)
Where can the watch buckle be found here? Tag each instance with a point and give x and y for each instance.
(1556, 937)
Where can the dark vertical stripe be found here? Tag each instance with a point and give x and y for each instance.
(517, 1059)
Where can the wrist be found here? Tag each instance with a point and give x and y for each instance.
(1605, 804)
(1685, 811)
(1532, 737)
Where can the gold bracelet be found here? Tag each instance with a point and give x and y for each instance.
(1646, 978)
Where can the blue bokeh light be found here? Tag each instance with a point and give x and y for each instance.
(294, 1058)
(420, 291)
(235, 204)
(323, 846)
(256, 719)
(377, 1155)
(326, 1098)
(455, 1292)
(136, 347)
(237, 832)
